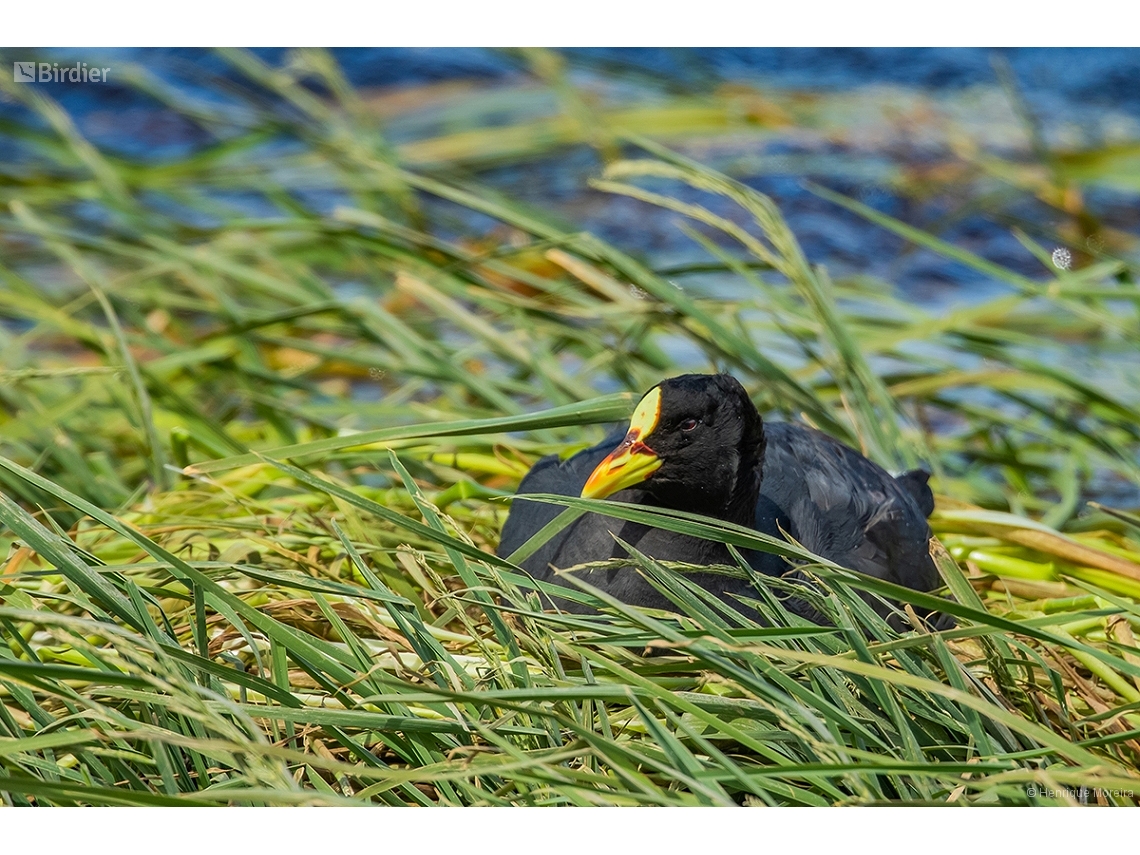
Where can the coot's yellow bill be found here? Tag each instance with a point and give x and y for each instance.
(633, 461)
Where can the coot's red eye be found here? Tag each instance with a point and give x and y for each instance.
(688, 424)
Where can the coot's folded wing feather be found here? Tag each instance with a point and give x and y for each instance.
(846, 508)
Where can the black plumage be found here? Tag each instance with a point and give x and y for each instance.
(715, 456)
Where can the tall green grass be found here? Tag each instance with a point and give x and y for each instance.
(253, 467)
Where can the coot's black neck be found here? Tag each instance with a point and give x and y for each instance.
(741, 505)
(740, 508)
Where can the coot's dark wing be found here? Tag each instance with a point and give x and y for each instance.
(549, 475)
(846, 508)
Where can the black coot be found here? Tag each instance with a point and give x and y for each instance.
(696, 443)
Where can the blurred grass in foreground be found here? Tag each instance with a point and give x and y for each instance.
(235, 575)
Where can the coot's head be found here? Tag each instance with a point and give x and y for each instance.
(693, 444)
